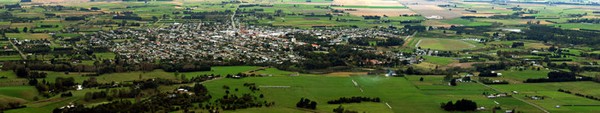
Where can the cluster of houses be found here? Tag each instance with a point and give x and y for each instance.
(218, 42)
(200, 41)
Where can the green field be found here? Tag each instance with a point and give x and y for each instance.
(558, 98)
(466, 22)
(10, 57)
(30, 36)
(374, 7)
(578, 26)
(439, 60)
(443, 44)
(394, 91)
(23, 92)
(524, 75)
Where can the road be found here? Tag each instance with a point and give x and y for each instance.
(532, 104)
(232, 20)
(18, 50)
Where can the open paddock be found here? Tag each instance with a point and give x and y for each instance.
(434, 10)
(443, 44)
(378, 12)
(367, 3)
(31, 36)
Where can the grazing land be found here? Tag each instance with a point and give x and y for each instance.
(443, 44)
(298, 56)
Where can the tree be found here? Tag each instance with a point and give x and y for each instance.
(460, 105)
(87, 96)
(22, 71)
(448, 77)
(313, 105)
(421, 79)
(306, 103)
(25, 29)
(339, 109)
(453, 82)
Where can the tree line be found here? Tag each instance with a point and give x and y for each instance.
(559, 76)
(354, 100)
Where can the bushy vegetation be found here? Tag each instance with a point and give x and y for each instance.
(354, 100)
(306, 103)
(460, 105)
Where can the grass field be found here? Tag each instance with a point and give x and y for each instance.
(23, 92)
(439, 60)
(558, 98)
(400, 93)
(436, 88)
(106, 55)
(443, 44)
(578, 26)
(30, 36)
(222, 70)
(524, 75)
(394, 91)
(10, 57)
(466, 22)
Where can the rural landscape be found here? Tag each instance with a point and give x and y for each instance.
(299, 56)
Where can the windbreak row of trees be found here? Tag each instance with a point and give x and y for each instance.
(106, 66)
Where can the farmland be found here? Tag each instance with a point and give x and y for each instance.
(297, 56)
(443, 44)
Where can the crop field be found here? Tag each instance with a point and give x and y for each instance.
(443, 44)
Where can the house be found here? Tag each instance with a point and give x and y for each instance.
(390, 73)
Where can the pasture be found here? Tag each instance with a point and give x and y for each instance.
(392, 12)
(10, 57)
(436, 88)
(368, 3)
(443, 44)
(30, 36)
(465, 22)
(524, 75)
(554, 98)
(439, 60)
(22, 92)
(579, 26)
(323, 89)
